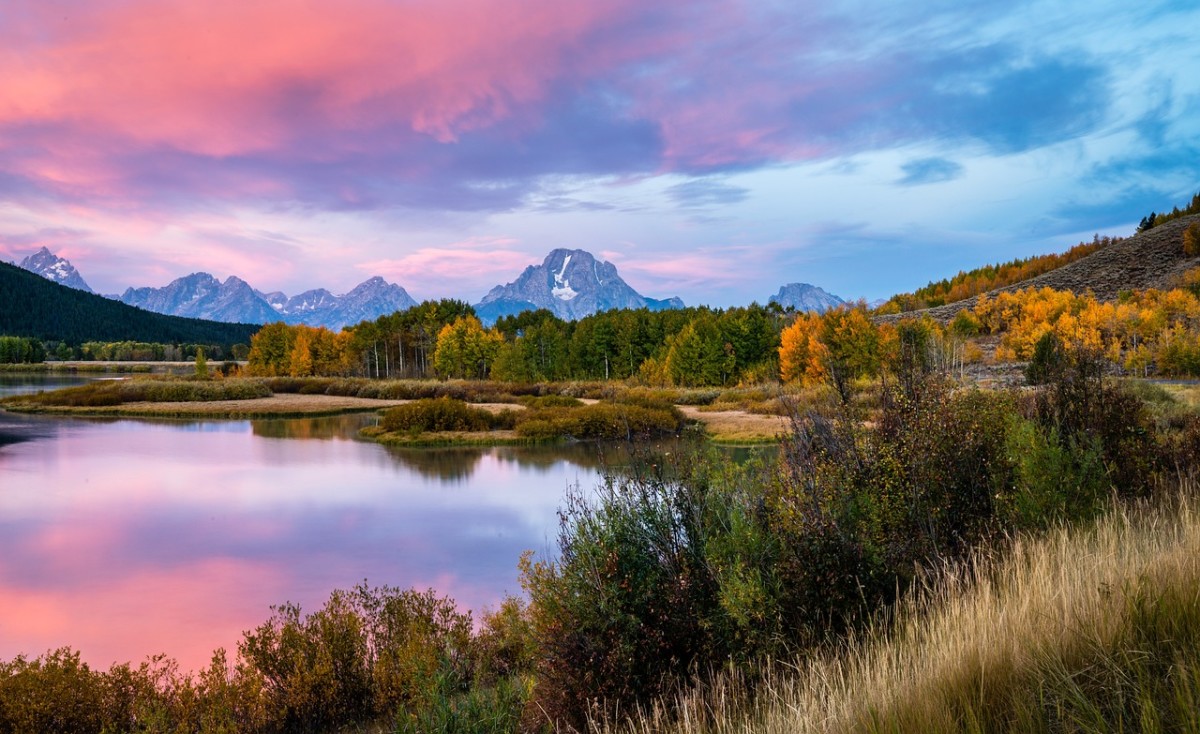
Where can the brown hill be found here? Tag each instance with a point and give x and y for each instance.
(1151, 259)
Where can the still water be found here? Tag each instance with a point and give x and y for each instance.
(126, 538)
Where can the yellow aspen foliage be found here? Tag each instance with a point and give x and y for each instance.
(1191, 240)
(1146, 330)
(301, 362)
(802, 356)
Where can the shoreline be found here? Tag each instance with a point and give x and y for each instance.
(727, 427)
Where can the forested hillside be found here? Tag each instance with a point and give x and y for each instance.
(32, 306)
(1152, 258)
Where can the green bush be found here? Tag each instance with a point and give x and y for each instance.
(599, 421)
(621, 616)
(1055, 480)
(367, 654)
(442, 414)
(550, 401)
(55, 693)
(1087, 412)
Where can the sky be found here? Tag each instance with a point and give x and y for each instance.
(710, 149)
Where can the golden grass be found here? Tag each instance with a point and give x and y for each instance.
(1084, 630)
(1187, 394)
(737, 426)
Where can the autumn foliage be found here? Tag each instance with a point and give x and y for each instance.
(981, 280)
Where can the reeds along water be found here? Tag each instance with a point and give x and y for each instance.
(1093, 629)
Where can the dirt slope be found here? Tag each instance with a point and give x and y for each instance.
(1148, 260)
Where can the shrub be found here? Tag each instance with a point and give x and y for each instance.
(103, 393)
(1056, 480)
(504, 646)
(600, 421)
(367, 653)
(1087, 413)
(550, 401)
(55, 693)
(620, 617)
(439, 414)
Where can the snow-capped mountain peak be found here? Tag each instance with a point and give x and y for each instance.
(52, 267)
(570, 283)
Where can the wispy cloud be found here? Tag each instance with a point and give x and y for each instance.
(929, 170)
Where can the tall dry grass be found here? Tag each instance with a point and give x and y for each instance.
(1083, 630)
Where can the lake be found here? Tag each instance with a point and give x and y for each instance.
(127, 538)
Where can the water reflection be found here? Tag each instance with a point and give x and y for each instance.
(327, 428)
(126, 538)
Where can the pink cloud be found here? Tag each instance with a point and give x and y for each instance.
(699, 270)
(230, 77)
(477, 263)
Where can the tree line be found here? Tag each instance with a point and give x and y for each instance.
(990, 277)
(29, 350)
(694, 346)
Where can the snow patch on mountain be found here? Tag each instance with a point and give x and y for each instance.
(562, 287)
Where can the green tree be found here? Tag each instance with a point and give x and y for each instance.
(201, 364)
(699, 356)
(853, 341)
(271, 350)
(465, 349)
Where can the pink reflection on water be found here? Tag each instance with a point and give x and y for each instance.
(186, 613)
(128, 539)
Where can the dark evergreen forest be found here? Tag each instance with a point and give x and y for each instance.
(31, 306)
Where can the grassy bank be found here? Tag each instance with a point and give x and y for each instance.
(548, 411)
(1088, 629)
(175, 397)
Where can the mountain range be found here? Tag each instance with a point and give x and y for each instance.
(200, 295)
(39, 307)
(569, 283)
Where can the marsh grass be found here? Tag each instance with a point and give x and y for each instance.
(1087, 629)
(107, 393)
(738, 427)
(444, 420)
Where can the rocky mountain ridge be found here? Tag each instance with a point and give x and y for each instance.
(200, 295)
(55, 268)
(570, 283)
(806, 297)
